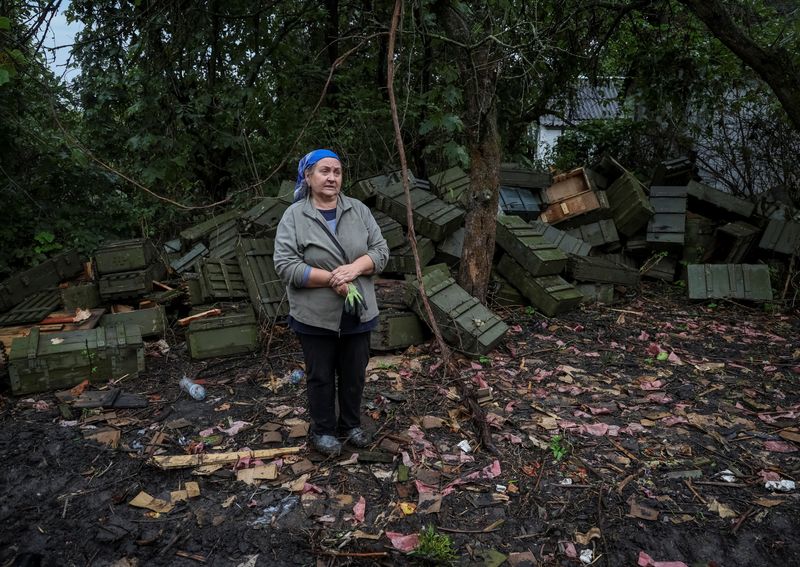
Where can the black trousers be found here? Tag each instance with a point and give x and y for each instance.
(336, 368)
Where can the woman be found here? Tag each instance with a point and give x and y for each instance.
(326, 245)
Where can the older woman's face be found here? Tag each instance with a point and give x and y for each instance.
(325, 178)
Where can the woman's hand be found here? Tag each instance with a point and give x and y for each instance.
(341, 289)
(344, 274)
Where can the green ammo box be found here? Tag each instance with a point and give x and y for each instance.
(668, 225)
(206, 228)
(151, 322)
(263, 218)
(549, 294)
(390, 229)
(502, 293)
(190, 260)
(715, 203)
(401, 260)
(397, 329)
(432, 217)
(266, 290)
(48, 274)
(124, 256)
(225, 335)
(630, 206)
(596, 292)
(222, 242)
(466, 324)
(81, 296)
(222, 279)
(737, 281)
(596, 269)
(55, 361)
(600, 233)
(565, 241)
(525, 244)
(33, 308)
(781, 236)
(123, 285)
(451, 185)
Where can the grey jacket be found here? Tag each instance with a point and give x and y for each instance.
(303, 239)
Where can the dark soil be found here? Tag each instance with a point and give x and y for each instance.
(645, 403)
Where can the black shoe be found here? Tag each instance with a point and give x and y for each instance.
(328, 445)
(357, 437)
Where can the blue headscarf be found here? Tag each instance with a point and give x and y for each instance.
(300, 187)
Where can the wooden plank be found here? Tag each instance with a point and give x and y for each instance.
(185, 461)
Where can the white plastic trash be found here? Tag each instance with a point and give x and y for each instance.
(464, 446)
(780, 485)
(587, 556)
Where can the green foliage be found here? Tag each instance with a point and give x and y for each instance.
(587, 142)
(558, 448)
(434, 548)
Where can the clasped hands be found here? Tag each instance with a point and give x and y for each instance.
(342, 276)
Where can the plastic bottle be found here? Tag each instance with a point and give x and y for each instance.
(195, 390)
(297, 376)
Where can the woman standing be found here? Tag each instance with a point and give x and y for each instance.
(326, 247)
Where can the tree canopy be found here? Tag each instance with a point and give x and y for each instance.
(180, 108)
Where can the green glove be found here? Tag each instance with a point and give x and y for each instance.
(354, 302)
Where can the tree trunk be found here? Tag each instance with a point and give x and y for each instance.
(478, 64)
(775, 65)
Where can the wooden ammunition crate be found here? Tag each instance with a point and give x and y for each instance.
(595, 269)
(678, 171)
(391, 230)
(449, 250)
(226, 335)
(40, 362)
(451, 185)
(567, 185)
(600, 233)
(401, 259)
(667, 228)
(396, 330)
(266, 290)
(699, 238)
(589, 206)
(781, 236)
(502, 293)
(466, 324)
(48, 274)
(432, 217)
(596, 292)
(222, 279)
(549, 294)
(190, 260)
(130, 284)
(206, 228)
(523, 243)
(222, 241)
(630, 206)
(80, 296)
(33, 308)
(732, 243)
(515, 175)
(520, 202)
(263, 218)
(736, 281)
(124, 256)
(151, 322)
(565, 241)
(714, 203)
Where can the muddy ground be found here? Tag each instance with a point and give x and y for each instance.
(629, 434)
